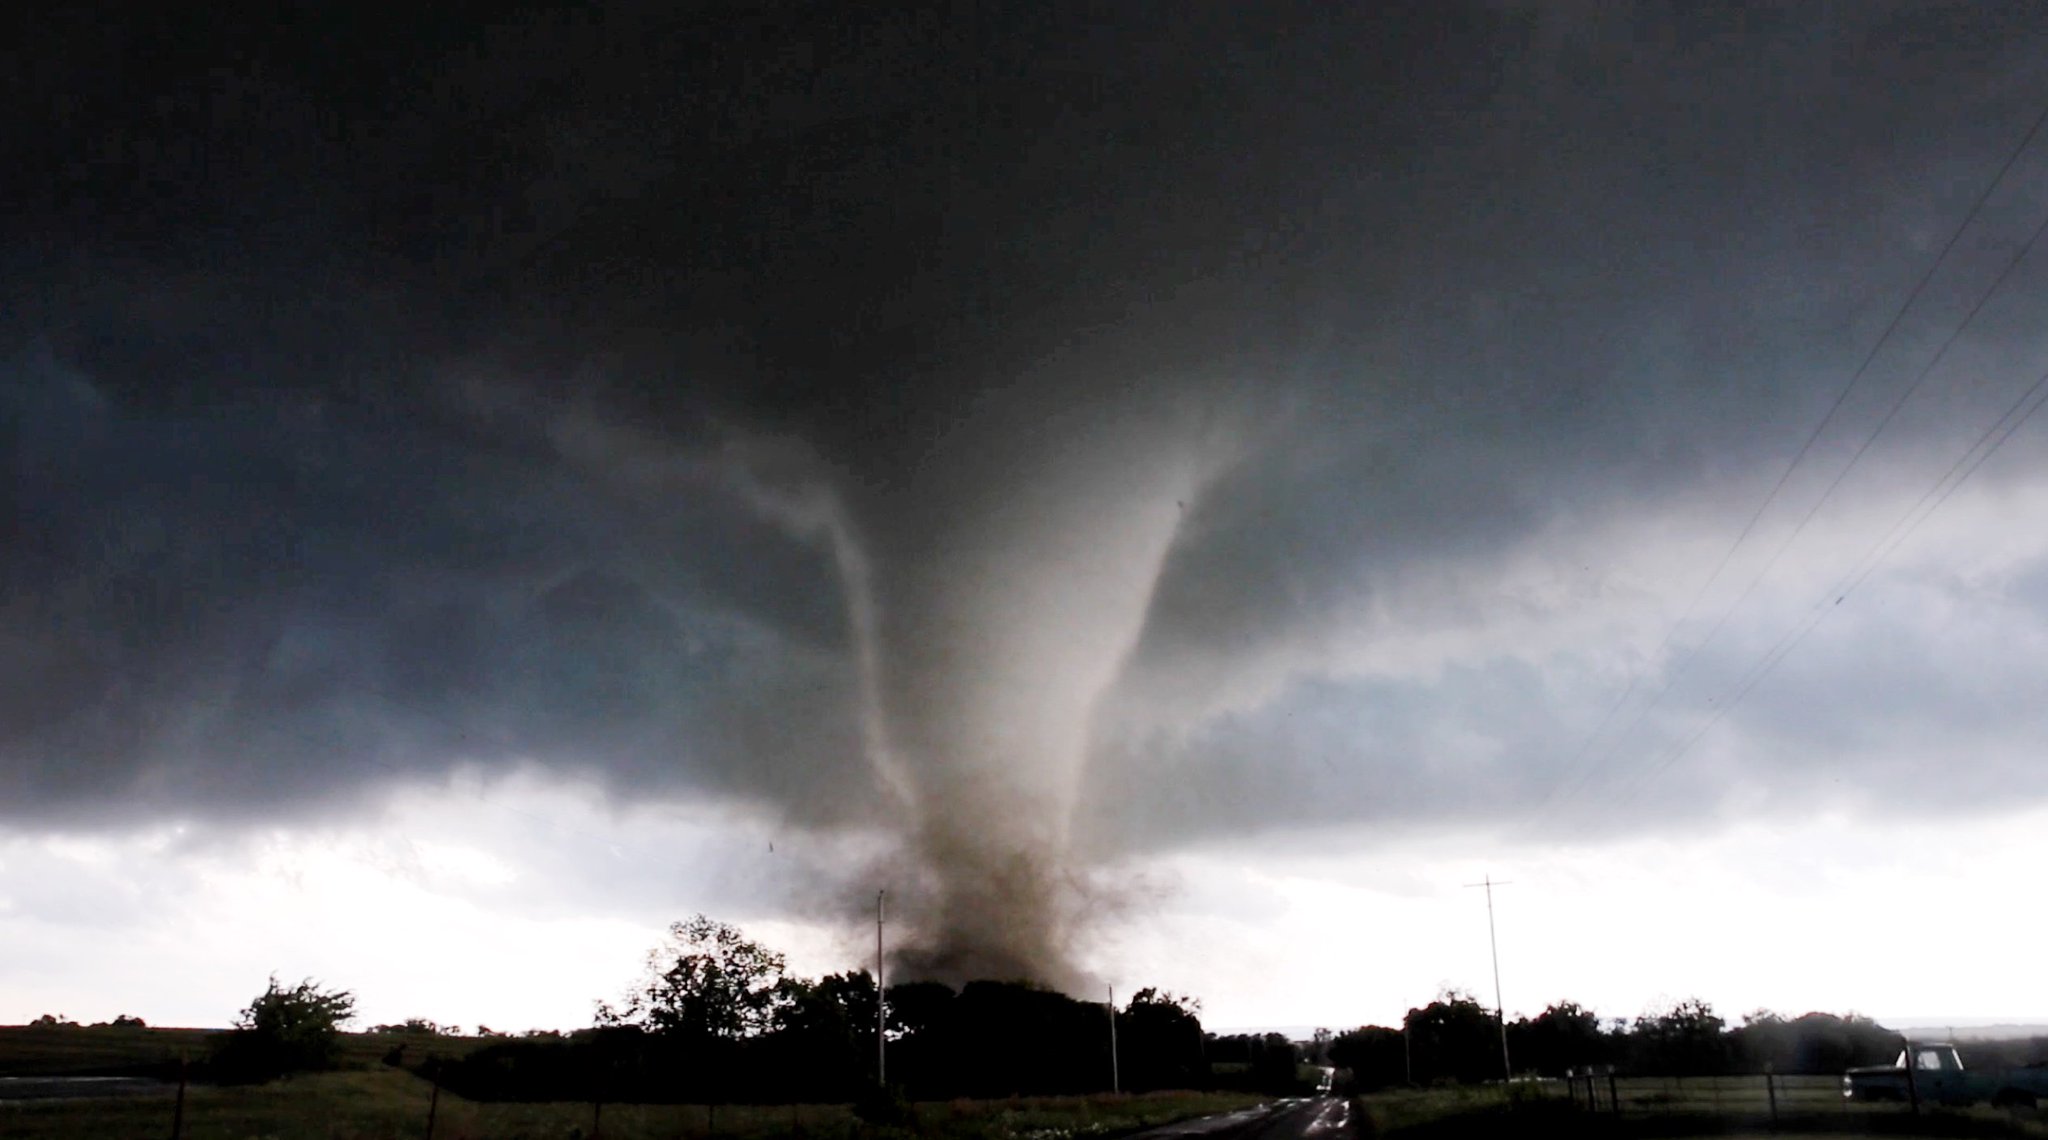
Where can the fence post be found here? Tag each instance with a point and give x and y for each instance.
(1613, 1091)
(596, 1119)
(178, 1110)
(1771, 1090)
(433, 1102)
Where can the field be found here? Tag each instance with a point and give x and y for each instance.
(1673, 1107)
(101, 1049)
(377, 1104)
(63, 1050)
(368, 1101)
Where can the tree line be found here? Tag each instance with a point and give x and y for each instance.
(1456, 1039)
(718, 1018)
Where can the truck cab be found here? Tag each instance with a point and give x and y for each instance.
(1933, 1067)
(1933, 1072)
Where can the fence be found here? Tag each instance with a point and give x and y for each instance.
(1761, 1097)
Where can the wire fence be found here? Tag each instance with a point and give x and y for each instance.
(1764, 1097)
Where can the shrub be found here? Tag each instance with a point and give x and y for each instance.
(284, 1031)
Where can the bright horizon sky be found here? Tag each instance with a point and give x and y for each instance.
(448, 910)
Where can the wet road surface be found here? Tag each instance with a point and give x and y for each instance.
(1302, 1118)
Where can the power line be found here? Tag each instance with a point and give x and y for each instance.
(1890, 414)
(2010, 421)
(1577, 765)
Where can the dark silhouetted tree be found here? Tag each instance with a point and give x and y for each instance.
(1685, 1040)
(1453, 1038)
(418, 1025)
(1567, 1035)
(1159, 1038)
(284, 1031)
(1372, 1055)
(1813, 1043)
(707, 979)
(824, 1035)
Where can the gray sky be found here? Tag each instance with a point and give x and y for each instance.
(1107, 475)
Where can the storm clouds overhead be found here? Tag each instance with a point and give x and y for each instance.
(1026, 442)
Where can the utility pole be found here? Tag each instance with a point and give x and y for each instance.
(1116, 1080)
(881, 1003)
(1507, 1069)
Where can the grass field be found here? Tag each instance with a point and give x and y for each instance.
(1673, 1107)
(373, 1104)
(74, 1050)
(63, 1050)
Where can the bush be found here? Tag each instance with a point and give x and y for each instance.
(886, 1108)
(285, 1031)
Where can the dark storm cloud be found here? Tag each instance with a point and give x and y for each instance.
(941, 417)
(231, 609)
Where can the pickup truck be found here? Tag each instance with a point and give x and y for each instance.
(1938, 1077)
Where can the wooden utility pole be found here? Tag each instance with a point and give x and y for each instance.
(881, 1003)
(1116, 1083)
(1507, 1069)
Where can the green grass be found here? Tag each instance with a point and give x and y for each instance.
(40, 1051)
(1669, 1107)
(1057, 1118)
(82, 1050)
(1398, 1109)
(379, 1103)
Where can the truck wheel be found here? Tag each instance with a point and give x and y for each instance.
(2014, 1098)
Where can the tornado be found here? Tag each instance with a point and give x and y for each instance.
(995, 591)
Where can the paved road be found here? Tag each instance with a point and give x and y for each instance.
(1304, 1118)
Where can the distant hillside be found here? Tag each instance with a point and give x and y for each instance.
(100, 1050)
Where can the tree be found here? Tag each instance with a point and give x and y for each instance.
(1454, 1038)
(419, 1025)
(707, 979)
(1564, 1036)
(824, 1036)
(1685, 1040)
(1812, 1043)
(1375, 1056)
(1160, 1035)
(284, 1031)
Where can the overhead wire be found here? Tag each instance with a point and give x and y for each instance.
(1580, 773)
(2011, 420)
